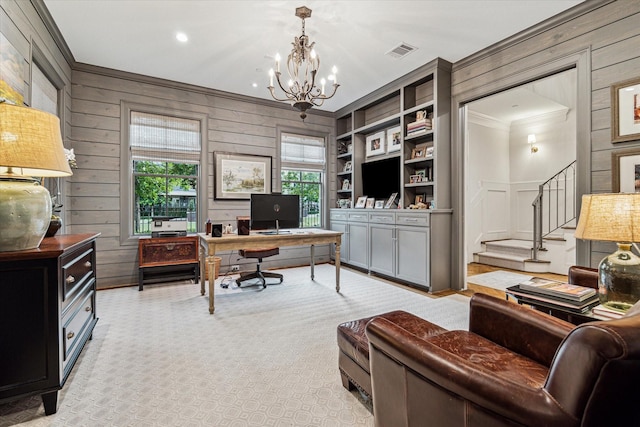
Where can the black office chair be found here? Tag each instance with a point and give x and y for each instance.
(259, 274)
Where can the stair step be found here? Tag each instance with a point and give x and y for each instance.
(513, 262)
(520, 248)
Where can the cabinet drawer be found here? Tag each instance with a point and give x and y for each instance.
(382, 218)
(409, 219)
(77, 269)
(358, 217)
(168, 251)
(338, 216)
(75, 322)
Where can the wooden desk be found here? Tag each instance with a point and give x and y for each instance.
(209, 245)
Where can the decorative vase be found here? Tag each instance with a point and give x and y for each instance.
(619, 279)
(54, 225)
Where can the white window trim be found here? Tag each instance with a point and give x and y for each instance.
(126, 165)
(278, 164)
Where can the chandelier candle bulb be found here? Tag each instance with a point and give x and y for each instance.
(271, 77)
(323, 82)
(334, 70)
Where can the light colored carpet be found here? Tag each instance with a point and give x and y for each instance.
(265, 358)
(498, 279)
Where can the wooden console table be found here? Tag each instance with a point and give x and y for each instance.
(47, 315)
(209, 245)
(163, 259)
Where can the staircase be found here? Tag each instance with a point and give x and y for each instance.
(512, 254)
(552, 248)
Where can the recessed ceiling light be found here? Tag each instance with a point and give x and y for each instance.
(182, 37)
(254, 84)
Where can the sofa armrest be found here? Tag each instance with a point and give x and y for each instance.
(528, 332)
(393, 348)
(583, 276)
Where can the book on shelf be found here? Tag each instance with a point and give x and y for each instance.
(532, 298)
(557, 289)
(606, 312)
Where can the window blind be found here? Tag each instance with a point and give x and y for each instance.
(44, 95)
(154, 137)
(302, 152)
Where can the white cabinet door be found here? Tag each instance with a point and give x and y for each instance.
(358, 244)
(413, 254)
(382, 249)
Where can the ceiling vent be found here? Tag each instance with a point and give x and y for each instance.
(400, 51)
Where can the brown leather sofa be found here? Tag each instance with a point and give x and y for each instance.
(513, 367)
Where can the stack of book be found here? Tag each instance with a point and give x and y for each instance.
(419, 126)
(606, 312)
(552, 293)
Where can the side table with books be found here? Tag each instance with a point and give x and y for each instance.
(565, 301)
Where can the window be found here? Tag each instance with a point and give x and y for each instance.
(165, 155)
(301, 172)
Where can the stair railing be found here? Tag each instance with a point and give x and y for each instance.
(560, 208)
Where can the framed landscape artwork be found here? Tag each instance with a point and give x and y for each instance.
(238, 175)
(625, 111)
(12, 72)
(625, 168)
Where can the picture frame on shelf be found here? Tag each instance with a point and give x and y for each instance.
(375, 144)
(625, 111)
(370, 203)
(348, 165)
(418, 152)
(346, 184)
(236, 176)
(625, 170)
(391, 201)
(428, 151)
(422, 173)
(394, 139)
(361, 202)
(415, 179)
(379, 204)
(420, 198)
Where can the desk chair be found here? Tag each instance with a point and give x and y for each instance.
(259, 274)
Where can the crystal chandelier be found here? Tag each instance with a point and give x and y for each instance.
(302, 65)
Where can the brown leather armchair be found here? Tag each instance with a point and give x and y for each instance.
(514, 367)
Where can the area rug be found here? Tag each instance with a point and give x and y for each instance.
(500, 279)
(266, 357)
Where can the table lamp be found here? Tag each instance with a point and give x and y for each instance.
(30, 146)
(615, 218)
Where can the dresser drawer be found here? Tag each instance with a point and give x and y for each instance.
(75, 322)
(168, 251)
(382, 217)
(339, 215)
(412, 219)
(358, 217)
(77, 269)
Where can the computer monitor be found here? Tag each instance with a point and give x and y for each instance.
(275, 211)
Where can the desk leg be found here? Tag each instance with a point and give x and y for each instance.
(202, 269)
(313, 261)
(338, 266)
(212, 281)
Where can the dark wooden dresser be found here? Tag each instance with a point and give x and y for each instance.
(47, 314)
(165, 259)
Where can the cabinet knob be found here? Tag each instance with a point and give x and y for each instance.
(170, 246)
(70, 279)
(71, 335)
(87, 264)
(87, 308)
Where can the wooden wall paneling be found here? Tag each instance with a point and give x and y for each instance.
(95, 217)
(94, 121)
(601, 119)
(82, 147)
(96, 135)
(621, 51)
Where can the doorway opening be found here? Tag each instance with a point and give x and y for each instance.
(515, 141)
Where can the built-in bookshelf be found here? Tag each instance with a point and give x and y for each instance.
(415, 109)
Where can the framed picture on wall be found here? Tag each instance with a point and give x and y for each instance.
(375, 144)
(236, 176)
(625, 111)
(12, 72)
(625, 168)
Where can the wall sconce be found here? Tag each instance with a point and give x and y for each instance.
(531, 139)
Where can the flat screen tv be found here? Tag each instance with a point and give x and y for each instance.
(381, 178)
(275, 211)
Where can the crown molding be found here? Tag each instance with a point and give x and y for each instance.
(54, 31)
(487, 121)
